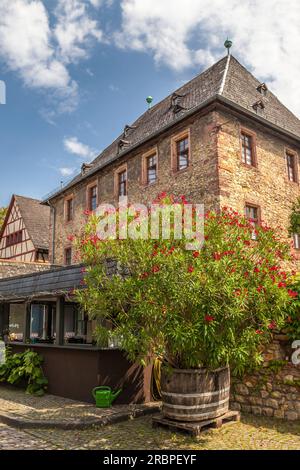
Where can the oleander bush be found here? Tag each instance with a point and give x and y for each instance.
(210, 307)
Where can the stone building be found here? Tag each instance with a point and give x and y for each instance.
(223, 139)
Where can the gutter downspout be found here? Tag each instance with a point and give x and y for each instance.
(53, 221)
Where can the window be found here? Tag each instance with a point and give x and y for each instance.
(76, 326)
(180, 151)
(296, 239)
(122, 183)
(42, 256)
(69, 209)
(252, 214)
(291, 166)
(92, 198)
(248, 149)
(14, 238)
(151, 169)
(68, 256)
(43, 323)
(16, 322)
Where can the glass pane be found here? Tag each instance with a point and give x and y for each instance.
(16, 322)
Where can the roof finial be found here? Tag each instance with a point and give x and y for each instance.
(228, 44)
(149, 100)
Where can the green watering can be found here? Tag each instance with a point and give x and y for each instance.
(104, 396)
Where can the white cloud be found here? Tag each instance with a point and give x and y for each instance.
(74, 146)
(40, 52)
(74, 29)
(265, 35)
(65, 171)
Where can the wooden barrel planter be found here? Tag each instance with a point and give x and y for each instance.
(195, 394)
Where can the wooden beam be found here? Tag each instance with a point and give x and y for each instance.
(60, 314)
(27, 318)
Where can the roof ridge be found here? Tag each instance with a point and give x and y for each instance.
(269, 90)
(224, 75)
(25, 197)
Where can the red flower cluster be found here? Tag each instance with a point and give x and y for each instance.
(70, 238)
(209, 318)
(292, 293)
(272, 325)
(190, 269)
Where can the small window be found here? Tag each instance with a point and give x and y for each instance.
(122, 183)
(248, 152)
(42, 256)
(182, 153)
(14, 238)
(69, 209)
(68, 256)
(296, 240)
(92, 198)
(151, 169)
(252, 214)
(291, 167)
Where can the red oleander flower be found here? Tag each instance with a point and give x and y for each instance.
(190, 269)
(209, 318)
(259, 332)
(281, 284)
(87, 212)
(144, 275)
(272, 325)
(256, 270)
(217, 256)
(196, 254)
(154, 253)
(155, 269)
(260, 289)
(70, 238)
(292, 293)
(247, 242)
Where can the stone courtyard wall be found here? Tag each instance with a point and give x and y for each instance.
(274, 390)
(9, 268)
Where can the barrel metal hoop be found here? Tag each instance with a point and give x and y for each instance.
(196, 395)
(201, 416)
(196, 407)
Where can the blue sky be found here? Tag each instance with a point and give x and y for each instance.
(77, 71)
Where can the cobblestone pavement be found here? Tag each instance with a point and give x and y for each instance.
(17, 404)
(251, 433)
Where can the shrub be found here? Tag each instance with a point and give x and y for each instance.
(24, 367)
(207, 308)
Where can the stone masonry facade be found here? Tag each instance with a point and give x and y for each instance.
(10, 268)
(216, 176)
(274, 390)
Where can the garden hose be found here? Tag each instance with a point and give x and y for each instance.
(155, 379)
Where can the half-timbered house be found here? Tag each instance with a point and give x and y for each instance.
(24, 235)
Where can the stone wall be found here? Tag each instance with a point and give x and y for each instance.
(10, 268)
(275, 389)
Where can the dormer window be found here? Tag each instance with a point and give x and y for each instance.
(258, 106)
(176, 101)
(262, 89)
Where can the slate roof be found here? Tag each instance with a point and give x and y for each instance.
(54, 281)
(226, 79)
(37, 220)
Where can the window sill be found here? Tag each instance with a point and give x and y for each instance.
(85, 347)
(249, 167)
(180, 172)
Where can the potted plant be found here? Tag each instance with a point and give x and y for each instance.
(204, 311)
